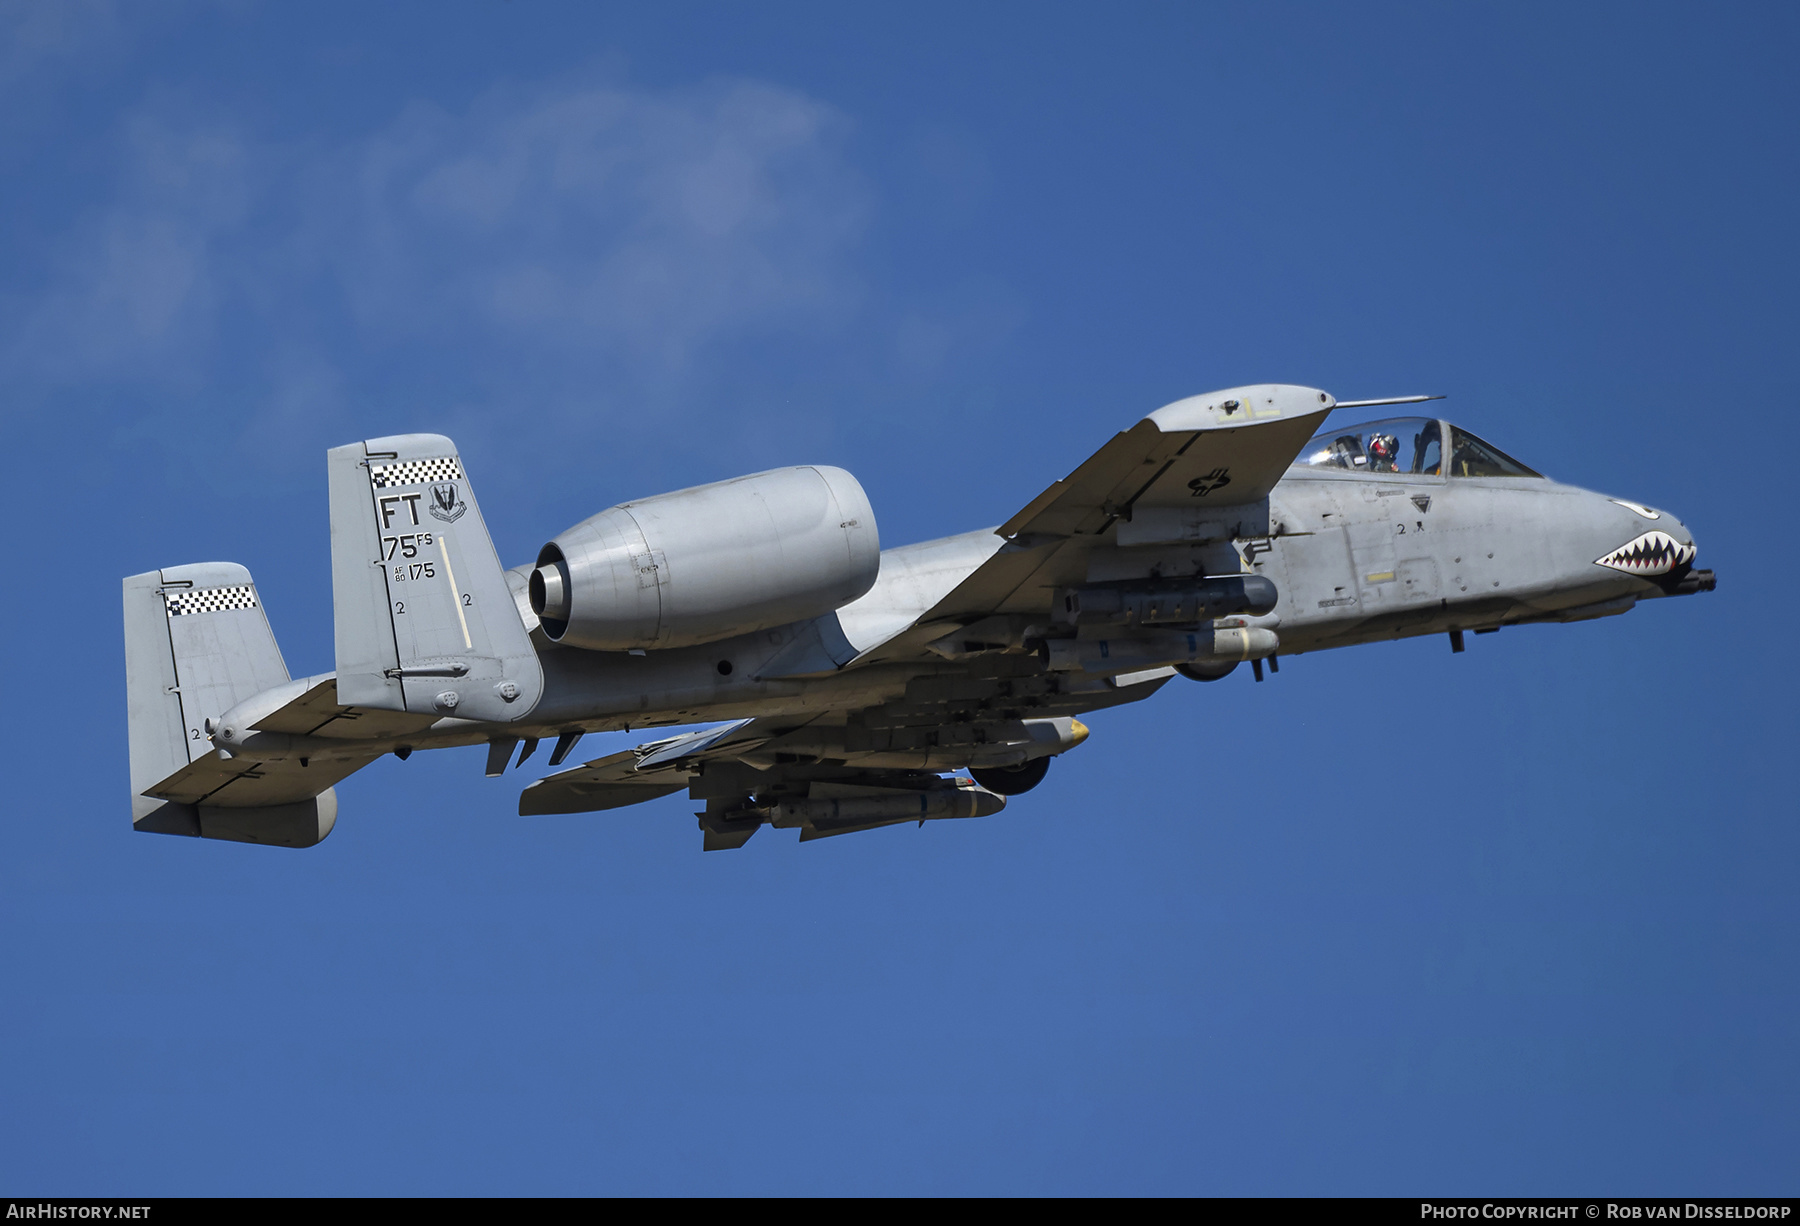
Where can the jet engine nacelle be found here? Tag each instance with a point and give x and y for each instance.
(710, 562)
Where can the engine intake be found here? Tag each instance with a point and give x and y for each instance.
(707, 563)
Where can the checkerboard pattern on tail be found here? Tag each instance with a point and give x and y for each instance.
(415, 472)
(209, 600)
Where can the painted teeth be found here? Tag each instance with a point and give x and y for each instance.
(1654, 553)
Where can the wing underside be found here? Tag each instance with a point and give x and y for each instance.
(846, 771)
(243, 783)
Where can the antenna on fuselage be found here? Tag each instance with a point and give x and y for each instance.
(1365, 404)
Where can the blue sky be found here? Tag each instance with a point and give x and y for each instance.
(1518, 921)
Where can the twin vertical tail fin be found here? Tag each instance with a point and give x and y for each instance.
(197, 643)
(425, 620)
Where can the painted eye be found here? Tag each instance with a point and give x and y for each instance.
(1639, 507)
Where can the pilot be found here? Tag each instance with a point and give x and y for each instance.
(1384, 453)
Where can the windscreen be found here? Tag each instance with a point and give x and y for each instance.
(1471, 457)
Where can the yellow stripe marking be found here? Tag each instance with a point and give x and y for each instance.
(455, 595)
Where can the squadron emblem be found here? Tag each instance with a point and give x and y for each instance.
(445, 503)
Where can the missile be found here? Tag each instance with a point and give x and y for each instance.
(1108, 657)
(965, 799)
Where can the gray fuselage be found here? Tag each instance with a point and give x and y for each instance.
(1356, 557)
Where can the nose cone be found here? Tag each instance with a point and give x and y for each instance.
(1650, 543)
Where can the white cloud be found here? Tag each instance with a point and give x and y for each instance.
(559, 225)
(43, 36)
(600, 215)
(134, 289)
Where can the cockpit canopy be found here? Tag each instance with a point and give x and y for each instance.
(1409, 445)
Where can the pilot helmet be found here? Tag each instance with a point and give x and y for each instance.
(1384, 447)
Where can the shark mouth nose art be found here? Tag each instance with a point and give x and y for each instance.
(1654, 553)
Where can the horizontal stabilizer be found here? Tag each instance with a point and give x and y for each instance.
(246, 782)
(303, 823)
(310, 707)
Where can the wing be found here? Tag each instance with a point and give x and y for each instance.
(640, 774)
(1202, 464)
(710, 764)
(1228, 448)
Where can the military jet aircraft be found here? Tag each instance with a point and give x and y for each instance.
(1220, 529)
